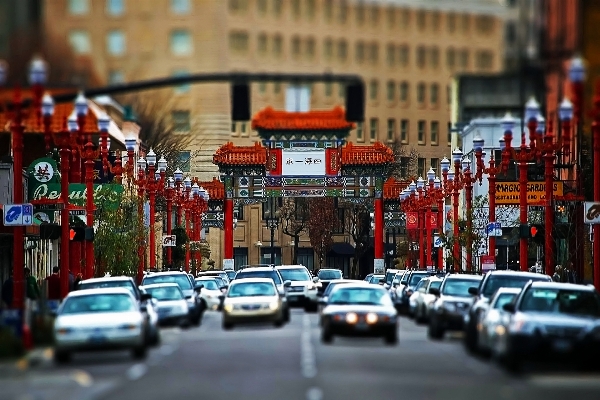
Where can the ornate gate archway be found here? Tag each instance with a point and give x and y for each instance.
(303, 154)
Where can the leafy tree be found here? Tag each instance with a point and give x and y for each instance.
(178, 252)
(294, 214)
(322, 218)
(406, 161)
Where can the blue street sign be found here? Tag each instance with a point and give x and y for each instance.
(18, 214)
(494, 229)
(437, 241)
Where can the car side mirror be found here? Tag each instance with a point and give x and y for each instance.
(509, 307)
(287, 283)
(315, 279)
(145, 296)
(434, 291)
(144, 308)
(323, 301)
(473, 291)
(221, 297)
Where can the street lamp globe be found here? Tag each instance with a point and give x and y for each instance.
(541, 124)
(430, 175)
(141, 164)
(178, 174)
(437, 183)
(466, 164)
(124, 159)
(507, 125)
(420, 183)
(151, 157)
(72, 123)
(130, 143)
(187, 182)
(170, 183)
(157, 175)
(47, 105)
(81, 105)
(565, 110)
(532, 109)
(577, 70)
(195, 189)
(104, 123)
(502, 144)
(403, 194)
(457, 156)
(483, 154)
(445, 164)
(412, 187)
(450, 176)
(38, 71)
(3, 72)
(203, 193)
(162, 164)
(478, 143)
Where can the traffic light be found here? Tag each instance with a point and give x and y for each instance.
(536, 233)
(240, 102)
(77, 234)
(355, 102)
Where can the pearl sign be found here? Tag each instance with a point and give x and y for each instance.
(303, 162)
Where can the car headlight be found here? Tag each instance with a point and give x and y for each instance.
(450, 307)
(351, 318)
(274, 305)
(64, 331)
(371, 318)
(521, 326)
(228, 307)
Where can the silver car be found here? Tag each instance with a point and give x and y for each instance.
(252, 300)
(171, 305)
(495, 319)
(99, 319)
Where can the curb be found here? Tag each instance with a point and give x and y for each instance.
(34, 358)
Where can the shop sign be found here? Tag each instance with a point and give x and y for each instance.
(509, 192)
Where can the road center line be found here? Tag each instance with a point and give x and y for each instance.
(314, 393)
(307, 352)
(136, 371)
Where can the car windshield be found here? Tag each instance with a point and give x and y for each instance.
(230, 274)
(165, 293)
(512, 281)
(560, 301)
(209, 284)
(107, 284)
(416, 278)
(296, 274)
(377, 278)
(389, 276)
(397, 278)
(360, 296)
(259, 274)
(435, 285)
(182, 280)
(504, 298)
(329, 275)
(98, 303)
(331, 286)
(252, 289)
(458, 287)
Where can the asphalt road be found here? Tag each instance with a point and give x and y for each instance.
(265, 363)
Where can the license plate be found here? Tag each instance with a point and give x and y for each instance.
(97, 339)
(562, 345)
(362, 327)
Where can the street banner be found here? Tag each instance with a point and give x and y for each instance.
(412, 220)
(169, 241)
(432, 220)
(591, 213)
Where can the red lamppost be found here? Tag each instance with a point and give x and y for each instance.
(170, 189)
(468, 181)
(37, 79)
(199, 203)
(596, 227)
(453, 184)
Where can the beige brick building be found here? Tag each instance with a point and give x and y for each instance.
(406, 50)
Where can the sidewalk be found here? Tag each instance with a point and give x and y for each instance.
(36, 357)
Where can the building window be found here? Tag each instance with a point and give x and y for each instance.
(421, 166)
(262, 87)
(261, 5)
(80, 42)
(296, 8)
(485, 60)
(183, 88)
(360, 52)
(277, 46)
(449, 133)
(373, 53)
(465, 22)
(421, 132)
(359, 130)
(343, 12)
(310, 9)
(391, 17)
(328, 10)
(238, 41)
(404, 55)
(373, 128)
(115, 77)
(405, 18)
(421, 20)
(115, 7)
(404, 125)
(391, 90)
(243, 128)
(277, 6)
(404, 167)
(342, 50)
(184, 160)
(328, 89)
(484, 24)
(306, 257)
(434, 57)
(435, 166)
(341, 90)
(421, 56)
(328, 49)
(421, 93)
(240, 256)
(463, 59)
(181, 42)
(115, 43)
(360, 14)
(374, 15)
(451, 22)
(276, 87)
(434, 132)
(181, 121)
(404, 91)
(390, 54)
(296, 47)
(435, 21)
(391, 129)
(237, 6)
(180, 6)
(434, 93)
(373, 89)
(310, 48)
(450, 58)
(79, 7)
(262, 44)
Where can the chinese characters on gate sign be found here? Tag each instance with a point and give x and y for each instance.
(306, 161)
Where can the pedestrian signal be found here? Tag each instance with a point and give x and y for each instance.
(536, 233)
(77, 234)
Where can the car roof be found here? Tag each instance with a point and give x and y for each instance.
(168, 273)
(289, 266)
(252, 280)
(465, 277)
(107, 278)
(257, 269)
(517, 273)
(157, 285)
(206, 278)
(392, 270)
(508, 290)
(330, 269)
(206, 273)
(362, 285)
(86, 292)
(561, 285)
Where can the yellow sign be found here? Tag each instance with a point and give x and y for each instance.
(508, 192)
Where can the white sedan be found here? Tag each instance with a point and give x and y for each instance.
(99, 319)
(493, 322)
(210, 292)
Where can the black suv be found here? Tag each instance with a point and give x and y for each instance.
(269, 272)
(491, 282)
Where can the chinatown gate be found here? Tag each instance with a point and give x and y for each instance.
(305, 154)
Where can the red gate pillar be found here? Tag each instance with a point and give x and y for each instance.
(228, 228)
(379, 265)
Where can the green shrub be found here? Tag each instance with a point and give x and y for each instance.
(10, 345)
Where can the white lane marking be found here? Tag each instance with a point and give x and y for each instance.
(307, 351)
(167, 350)
(136, 371)
(565, 381)
(314, 393)
(82, 378)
